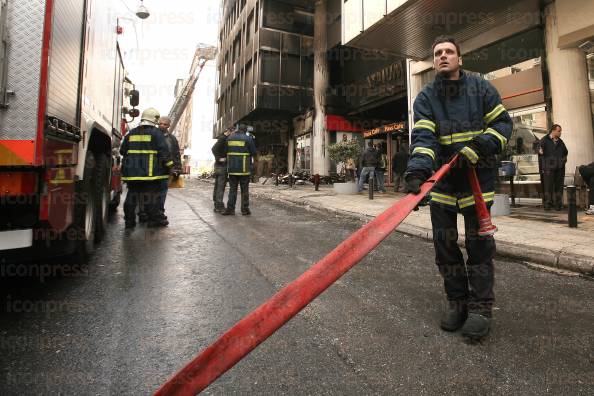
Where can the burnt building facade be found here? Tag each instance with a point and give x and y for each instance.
(265, 68)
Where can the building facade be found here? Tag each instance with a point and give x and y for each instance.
(538, 54)
(265, 69)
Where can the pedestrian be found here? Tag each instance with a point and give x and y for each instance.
(351, 169)
(146, 163)
(175, 155)
(553, 153)
(219, 150)
(399, 161)
(369, 160)
(240, 151)
(380, 169)
(460, 113)
(587, 173)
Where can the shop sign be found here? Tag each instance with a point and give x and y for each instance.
(393, 73)
(390, 128)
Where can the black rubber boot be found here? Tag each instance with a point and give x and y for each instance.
(228, 212)
(454, 316)
(246, 212)
(142, 217)
(130, 224)
(158, 223)
(476, 327)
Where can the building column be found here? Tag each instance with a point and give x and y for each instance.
(568, 76)
(319, 141)
(415, 71)
(291, 154)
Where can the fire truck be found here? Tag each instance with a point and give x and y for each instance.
(65, 101)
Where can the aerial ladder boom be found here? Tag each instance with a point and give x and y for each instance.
(203, 54)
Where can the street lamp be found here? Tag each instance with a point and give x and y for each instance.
(142, 12)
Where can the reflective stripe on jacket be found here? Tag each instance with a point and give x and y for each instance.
(240, 150)
(449, 114)
(146, 155)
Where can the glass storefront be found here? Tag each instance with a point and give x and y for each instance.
(303, 152)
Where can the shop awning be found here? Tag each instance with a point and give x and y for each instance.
(339, 123)
(398, 128)
(410, 29)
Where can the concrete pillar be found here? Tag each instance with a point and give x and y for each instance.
(291, 155)
(570, 93)
(416, 80)
(319, 143)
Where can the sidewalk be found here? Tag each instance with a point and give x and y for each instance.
(527, 234)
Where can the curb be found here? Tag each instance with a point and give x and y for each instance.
(556, 259)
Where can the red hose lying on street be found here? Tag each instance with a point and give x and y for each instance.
(257, 326)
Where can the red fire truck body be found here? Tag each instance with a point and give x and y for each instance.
(64, 97)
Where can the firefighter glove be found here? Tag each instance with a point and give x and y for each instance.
(472, 151)
(412, 183)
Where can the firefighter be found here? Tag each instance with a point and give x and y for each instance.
(174, 152)
(240, 152)
(146, 163)
(459, 113)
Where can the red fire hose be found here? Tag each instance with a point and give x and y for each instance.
(261, 323)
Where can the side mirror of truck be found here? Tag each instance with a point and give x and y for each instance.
(134, 97)
(134, 113)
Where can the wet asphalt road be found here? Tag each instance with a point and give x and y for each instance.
(150, 300)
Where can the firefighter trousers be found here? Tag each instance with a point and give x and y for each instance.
(471, 281)
(244, 184)
(146, 196)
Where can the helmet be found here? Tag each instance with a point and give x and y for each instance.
(150, 117)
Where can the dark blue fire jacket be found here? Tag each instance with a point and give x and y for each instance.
(448, 114)
(146, 155)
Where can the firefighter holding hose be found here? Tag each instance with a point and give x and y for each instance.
(459, 113)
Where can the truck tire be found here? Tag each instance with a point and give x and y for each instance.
(85, 212)
(102, 180)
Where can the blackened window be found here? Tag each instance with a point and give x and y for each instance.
(290, 70)
(287, 17)
(270, 62)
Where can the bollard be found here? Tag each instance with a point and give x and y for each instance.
(276, 179)
(512, 192)
(317, 182)
(572, 212)
(290, 180)
(371, 185)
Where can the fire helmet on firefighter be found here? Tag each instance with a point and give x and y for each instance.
(150, 117)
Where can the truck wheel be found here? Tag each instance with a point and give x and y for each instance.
(85, 211)
(102, 180)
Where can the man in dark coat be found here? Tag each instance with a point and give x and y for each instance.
(553, 154)
(587, 173)
(219, 150)
(369, 161)
(399, 161)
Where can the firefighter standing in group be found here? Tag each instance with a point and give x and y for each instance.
(145, 165)
(240, 151)
(459, 113)
(175, 154)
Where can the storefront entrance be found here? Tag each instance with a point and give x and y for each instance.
(391, 138)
